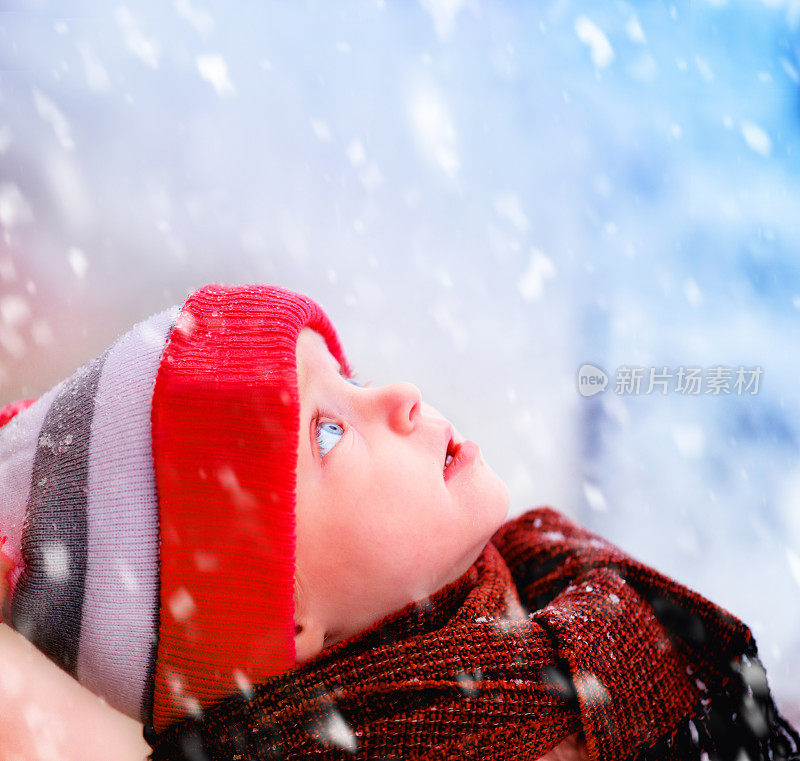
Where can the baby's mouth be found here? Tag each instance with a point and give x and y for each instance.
(450, 453)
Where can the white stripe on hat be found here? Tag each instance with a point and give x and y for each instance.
(120, 608)
(19, 439)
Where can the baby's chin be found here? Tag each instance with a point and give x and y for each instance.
(491, 501)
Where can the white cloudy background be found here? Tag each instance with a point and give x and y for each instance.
(483, 195)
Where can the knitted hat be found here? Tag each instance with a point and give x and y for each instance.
(149, 505)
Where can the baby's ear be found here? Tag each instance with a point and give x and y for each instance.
(309, 639)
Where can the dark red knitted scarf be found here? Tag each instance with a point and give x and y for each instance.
(552, 631)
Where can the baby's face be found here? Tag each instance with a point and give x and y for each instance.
(378, 523)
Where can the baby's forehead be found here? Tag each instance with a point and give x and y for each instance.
(314, 347)
(313, 356)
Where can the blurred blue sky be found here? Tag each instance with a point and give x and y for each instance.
(483, 196)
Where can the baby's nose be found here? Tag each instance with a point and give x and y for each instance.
(403, 404)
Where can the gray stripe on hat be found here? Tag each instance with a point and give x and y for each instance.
(121, 592)
(47, 604)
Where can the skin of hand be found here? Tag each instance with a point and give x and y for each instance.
(45, 713)
(571, 749)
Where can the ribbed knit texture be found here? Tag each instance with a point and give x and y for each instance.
(552, 631)
(225, 426)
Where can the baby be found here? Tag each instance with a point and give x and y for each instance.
(215, 527)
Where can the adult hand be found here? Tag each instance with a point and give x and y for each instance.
(573, 748)
(45, 713)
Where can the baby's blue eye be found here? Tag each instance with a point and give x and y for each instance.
(353, 381)
(328, 434)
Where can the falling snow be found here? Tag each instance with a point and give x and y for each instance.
(757, 138)
(145, 48)
(444, 14)
(241, 497)
(321, 130)
(594, 497)
(56, 559)
(530, 190)
(539, 270)
(355, 152)
(434, 128)
(214, 70)
(14, 310)
(690, 440)
(509, 206)
(53, 115)
(590, 688)
(338, 732)
(243, 683)
(469, 683)
(78, 261)
(127, 575)
(181, 604)
(47, 731)
(201, 20)
(593, 37)
(97, 77)
(206, 562)
(14, 207)
(635, 31)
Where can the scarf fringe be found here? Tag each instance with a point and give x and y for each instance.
(742, 724)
